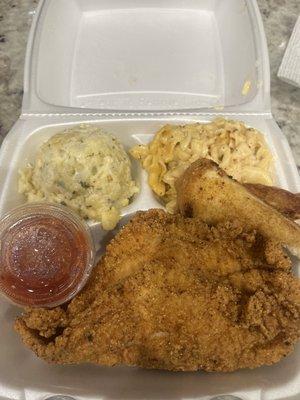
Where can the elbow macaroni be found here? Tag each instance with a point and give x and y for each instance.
(241, 151)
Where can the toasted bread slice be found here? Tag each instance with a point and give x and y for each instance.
(206, 191)
(285, 202)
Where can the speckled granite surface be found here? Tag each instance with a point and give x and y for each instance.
(279, 19)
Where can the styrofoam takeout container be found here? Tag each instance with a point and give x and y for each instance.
(130, 66)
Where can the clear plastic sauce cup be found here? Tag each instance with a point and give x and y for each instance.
(46, 255)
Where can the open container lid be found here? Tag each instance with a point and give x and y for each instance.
(144, 56)
(147, 56)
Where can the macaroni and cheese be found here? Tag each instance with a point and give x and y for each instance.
(241, 151)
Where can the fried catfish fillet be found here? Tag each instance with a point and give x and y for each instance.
(207, 192)
(173, 293)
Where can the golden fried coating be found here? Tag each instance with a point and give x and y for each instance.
(173, 293)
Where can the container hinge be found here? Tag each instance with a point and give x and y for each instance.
(144, 114)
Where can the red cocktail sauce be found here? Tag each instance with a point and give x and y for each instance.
(43, 260)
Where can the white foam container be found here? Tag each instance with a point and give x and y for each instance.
(130, 66)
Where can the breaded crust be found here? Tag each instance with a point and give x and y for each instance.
(173, 293)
